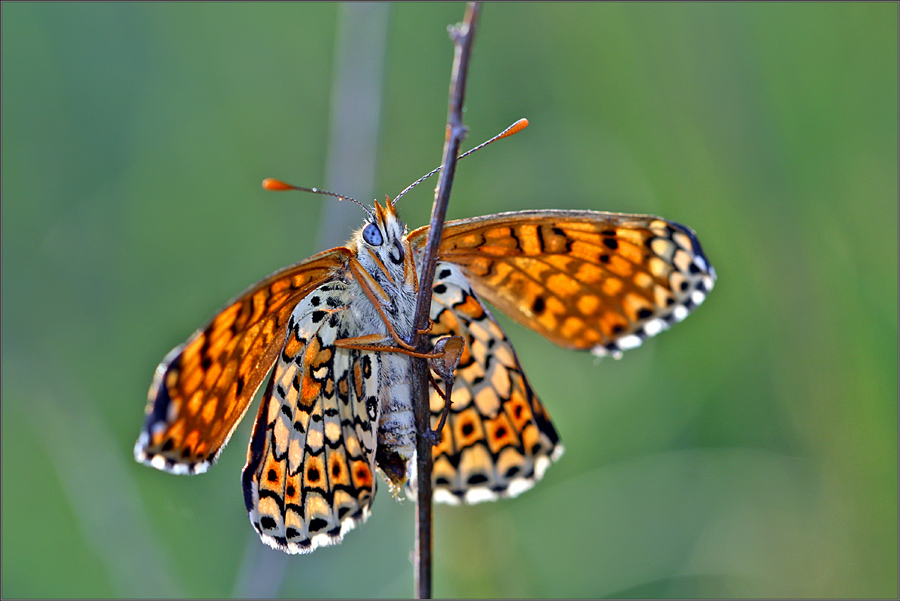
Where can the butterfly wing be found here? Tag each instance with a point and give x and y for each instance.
(202, 388)
(498, 439)
(310, 466)
(584, 279)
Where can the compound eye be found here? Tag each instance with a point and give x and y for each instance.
(372, 235)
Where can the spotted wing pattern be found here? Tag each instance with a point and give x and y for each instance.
(584, 279)
(498, 439)
(309, 476)
(202, 388)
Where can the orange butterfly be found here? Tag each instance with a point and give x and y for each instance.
(338, 404)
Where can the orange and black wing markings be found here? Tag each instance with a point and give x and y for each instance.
(309, 476)
(498, 439)
(584, 279)
(202, 388)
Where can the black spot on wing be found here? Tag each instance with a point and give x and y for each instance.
(268, 523)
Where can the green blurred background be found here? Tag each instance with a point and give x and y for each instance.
(749, 452)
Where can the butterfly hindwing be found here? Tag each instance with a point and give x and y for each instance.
(498, 438)
(584, 279)
(310, 467)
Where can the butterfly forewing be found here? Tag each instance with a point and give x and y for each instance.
(310, 467)
(498, 439)
(202, 388)
(584, 279)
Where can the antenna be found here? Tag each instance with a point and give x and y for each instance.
(512, 129)
(276, 185)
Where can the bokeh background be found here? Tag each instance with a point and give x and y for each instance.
(749, 452)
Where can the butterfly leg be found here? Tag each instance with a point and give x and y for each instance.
(426, 330)
(449, 350)
(378, 343)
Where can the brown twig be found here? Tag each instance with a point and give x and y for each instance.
(462, 36)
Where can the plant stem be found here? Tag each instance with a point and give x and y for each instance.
(462, 36)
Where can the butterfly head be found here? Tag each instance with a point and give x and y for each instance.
(382, 248)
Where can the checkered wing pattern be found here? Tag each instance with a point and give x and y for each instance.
(498, 438)
(310, 472)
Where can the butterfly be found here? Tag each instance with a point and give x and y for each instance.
(338, 406)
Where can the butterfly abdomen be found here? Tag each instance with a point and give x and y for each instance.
(396, 428)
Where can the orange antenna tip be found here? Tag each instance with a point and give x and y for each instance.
(514, 128)
(275, 185)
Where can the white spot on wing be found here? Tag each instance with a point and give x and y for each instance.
(557, 452)
(518, 486)
(443, 496)
(654, 327)
(181, 469)
(629, 342)
(601, 351)
(477, 495)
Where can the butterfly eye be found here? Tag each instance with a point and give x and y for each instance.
(372, 235)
